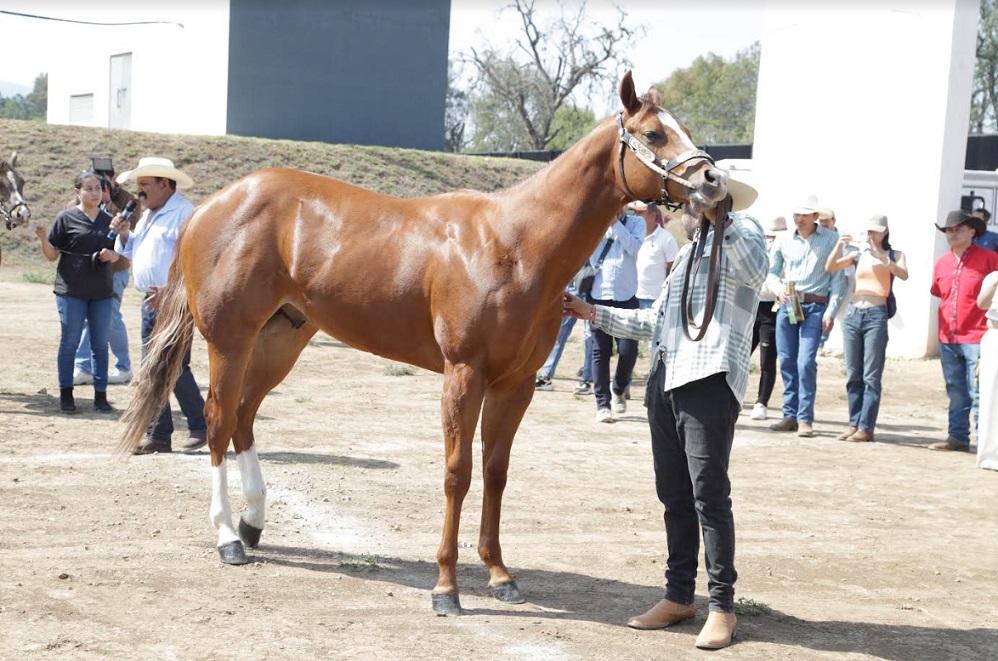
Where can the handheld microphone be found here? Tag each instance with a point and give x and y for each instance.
(126, 214)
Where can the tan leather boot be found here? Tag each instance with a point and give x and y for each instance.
(663, 614)
(718, 631)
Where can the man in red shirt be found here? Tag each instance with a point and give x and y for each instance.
(957, 279)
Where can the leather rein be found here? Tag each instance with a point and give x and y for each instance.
(665, 170)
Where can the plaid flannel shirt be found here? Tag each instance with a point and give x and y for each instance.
(727, 345)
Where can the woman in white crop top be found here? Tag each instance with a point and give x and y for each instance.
(987, 423)
(864, 329)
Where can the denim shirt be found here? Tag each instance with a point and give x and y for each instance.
(617, 280)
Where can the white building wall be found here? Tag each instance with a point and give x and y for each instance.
(179, 74)
(867, 106)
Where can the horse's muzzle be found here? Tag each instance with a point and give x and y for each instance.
(710, 187)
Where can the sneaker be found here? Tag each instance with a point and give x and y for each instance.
(119, 376)
(81, 378)
(604, 415)
(618, 404)
(759, 411)
(543, 383)
(584, 388)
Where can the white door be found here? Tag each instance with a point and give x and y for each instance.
(121, 92)
(81, 110)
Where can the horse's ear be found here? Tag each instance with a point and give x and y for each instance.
(13, 159)
(627, 95)
(653, 97)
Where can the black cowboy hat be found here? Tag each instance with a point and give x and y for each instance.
(959, 217)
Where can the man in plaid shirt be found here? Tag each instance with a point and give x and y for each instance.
(694, 393)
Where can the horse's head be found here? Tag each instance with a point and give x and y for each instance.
(13, 208)
(665, 166)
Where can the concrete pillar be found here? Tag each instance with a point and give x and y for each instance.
(867, 106)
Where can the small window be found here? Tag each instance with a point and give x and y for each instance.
(81, 109)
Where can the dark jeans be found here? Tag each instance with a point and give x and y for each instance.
(185, 389)
(864, 340)
(73, 313)
(692, 428)
(627, 355)
(764, 337)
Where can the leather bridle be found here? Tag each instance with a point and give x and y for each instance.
(9, 213)
(665, 170)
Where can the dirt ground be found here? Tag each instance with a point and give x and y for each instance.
(881, 550)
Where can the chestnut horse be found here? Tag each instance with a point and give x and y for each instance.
(466, 283)
(13, 208)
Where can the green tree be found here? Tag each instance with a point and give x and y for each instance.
(714, 97)
(983, 94)
(32, 106)
(39, 96)
(569, 124)
(518, 91)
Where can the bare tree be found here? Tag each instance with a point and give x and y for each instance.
(545, 68)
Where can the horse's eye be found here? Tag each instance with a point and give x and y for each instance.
(652, 136)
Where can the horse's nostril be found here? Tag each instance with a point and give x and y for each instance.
(712, 176)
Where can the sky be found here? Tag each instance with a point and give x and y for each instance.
(678, 31)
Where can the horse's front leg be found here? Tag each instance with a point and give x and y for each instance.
(461, 404)
(501, 416)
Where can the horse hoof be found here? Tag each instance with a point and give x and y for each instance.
(249, 534)
(232, 553)
(508, 593)
(446, 604)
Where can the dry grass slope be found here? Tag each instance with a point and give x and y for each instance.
(50, 156)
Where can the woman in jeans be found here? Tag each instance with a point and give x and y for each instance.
(83, 285)
(864, 330)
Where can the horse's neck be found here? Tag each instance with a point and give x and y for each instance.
(569, 205)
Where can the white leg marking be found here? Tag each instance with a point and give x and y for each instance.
(254, 489)
(221, 511)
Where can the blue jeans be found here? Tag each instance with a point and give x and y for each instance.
(551, 364)
(73, 314)
(797, 345)
(587, 359)
(117, 335)
(185, 389)
(864, 338)
(692, 428)
(959, 363)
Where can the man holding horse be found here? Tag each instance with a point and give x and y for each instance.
(151, 247)
(694, 394)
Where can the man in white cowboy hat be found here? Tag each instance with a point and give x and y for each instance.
(694, 394)
(799, 257)
(150, 247)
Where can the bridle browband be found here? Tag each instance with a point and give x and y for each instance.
(644, 154)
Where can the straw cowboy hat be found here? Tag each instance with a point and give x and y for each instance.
(877, 223)
(742, 195)
(774, 225)
(825, 213)
(153, 166)
(959, 217)
(808, 206)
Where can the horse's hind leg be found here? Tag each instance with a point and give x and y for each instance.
(274, 355)
(501, 416)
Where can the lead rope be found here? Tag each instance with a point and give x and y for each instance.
(713, 272)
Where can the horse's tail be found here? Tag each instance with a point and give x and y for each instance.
(170, 339)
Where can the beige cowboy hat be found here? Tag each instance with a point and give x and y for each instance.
(153, 166)
(774, 225)
(825, 213)
(637, 205)
(808, 206)
(742, 195)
